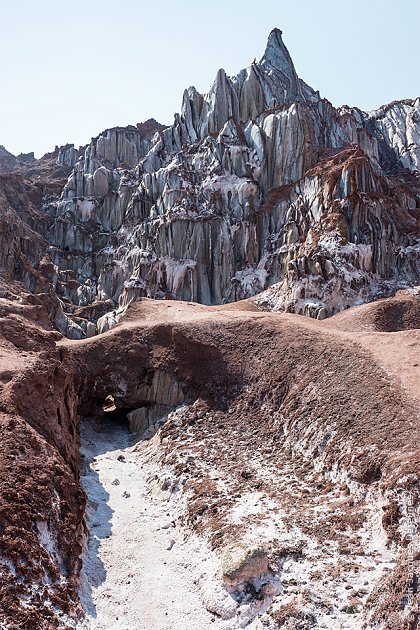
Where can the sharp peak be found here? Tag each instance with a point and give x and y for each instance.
(275, 32)
(276, 52)
(275, 39)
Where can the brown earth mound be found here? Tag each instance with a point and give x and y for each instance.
(260, 390)
(401, 312)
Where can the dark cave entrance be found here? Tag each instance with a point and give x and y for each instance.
(142, 410)
(118, 417)
(113, 415)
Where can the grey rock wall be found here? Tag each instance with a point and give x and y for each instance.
(258, 186)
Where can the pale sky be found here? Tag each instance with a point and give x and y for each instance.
(71, 69)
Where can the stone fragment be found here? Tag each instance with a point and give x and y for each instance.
(243, 564)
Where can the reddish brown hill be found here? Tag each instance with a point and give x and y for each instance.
(261, 390)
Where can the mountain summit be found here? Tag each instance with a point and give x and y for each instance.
(277, 55)
(259, 188)
(269, 83)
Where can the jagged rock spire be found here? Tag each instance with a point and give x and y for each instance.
(264, 85)
(276, 57)
(276, 52)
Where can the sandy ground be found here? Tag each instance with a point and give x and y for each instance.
(398, 354)
(139, 571)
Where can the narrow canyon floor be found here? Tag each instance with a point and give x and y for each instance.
(144, 570)
(140, 570)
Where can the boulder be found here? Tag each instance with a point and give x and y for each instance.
(243, 564)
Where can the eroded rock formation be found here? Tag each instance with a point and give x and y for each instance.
(258, 184)
(290, 439)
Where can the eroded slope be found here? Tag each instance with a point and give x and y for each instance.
(293, 435)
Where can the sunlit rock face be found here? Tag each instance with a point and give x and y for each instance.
(258, 186)
(398, 126)
(344, 235)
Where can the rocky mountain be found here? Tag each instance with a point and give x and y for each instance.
(8, 162)
(214, 460)
(260, 187)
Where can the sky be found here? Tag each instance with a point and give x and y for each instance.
(69, 70)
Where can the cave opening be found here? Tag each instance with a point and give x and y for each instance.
(136, 409)
(118, 416)
(113, 415)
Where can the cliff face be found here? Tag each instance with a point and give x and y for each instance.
(258, 186)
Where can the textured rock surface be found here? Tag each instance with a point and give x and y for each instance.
(8, 162)
(397, 125)
(295, 437)
(159, 394)
(243, 565)
(258, 186)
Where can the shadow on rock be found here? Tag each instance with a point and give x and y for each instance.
(96, 440)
